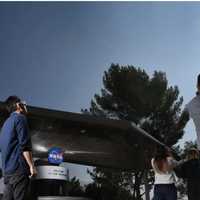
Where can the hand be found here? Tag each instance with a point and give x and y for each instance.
(33, 171)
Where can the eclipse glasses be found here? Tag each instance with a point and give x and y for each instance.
(23, 106)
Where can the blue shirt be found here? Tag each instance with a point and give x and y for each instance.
(14, 140)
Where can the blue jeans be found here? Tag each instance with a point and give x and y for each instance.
(165, 192)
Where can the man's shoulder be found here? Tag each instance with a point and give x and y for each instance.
(18, 117)
(193, 101)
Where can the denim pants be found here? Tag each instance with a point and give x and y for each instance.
(16, 186)
(165, 192)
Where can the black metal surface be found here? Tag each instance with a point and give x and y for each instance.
(88, 140)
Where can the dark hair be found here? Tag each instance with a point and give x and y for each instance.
(198, 80)
(161, 153)
(198, 84)
(193, 153)
(161, 157)
(11, 103)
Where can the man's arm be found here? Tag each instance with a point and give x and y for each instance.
(29, 159)
(184, 118)
(25, 142)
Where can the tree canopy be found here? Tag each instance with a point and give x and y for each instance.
(129, 93)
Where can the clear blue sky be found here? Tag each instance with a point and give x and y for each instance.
(54, 54)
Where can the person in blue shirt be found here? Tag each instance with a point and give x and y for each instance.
(16, 151)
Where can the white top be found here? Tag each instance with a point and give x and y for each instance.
(164, 177)
(193, 108)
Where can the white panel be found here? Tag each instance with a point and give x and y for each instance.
(51, 172)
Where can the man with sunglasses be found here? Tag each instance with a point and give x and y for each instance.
(15, 147)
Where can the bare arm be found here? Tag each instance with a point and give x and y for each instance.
(29, 159)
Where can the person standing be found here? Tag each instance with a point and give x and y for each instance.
(190, 171)
(164, 184)
(192, 110)
(16, 151)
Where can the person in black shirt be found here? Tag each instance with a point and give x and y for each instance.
(190, 171)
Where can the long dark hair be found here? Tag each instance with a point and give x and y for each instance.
(160, 158)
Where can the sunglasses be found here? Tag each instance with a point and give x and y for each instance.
(23, 105)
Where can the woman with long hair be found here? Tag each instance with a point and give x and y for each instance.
(164, 186)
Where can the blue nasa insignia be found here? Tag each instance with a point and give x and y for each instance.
(55, 155)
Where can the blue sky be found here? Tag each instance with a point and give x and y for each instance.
(54, 54)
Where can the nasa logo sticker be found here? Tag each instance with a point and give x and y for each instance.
(55, 155)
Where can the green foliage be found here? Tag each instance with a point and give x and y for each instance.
(181, 152)
(74, 187)
(187, 146)
(130, 94)
(109, 184)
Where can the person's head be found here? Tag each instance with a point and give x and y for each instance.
(160, 158)
(14, 104)
(192, 154)
(198, 84)
(161, 153)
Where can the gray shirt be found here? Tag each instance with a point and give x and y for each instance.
(193, 108)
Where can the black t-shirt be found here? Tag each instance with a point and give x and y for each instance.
(189, 170)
